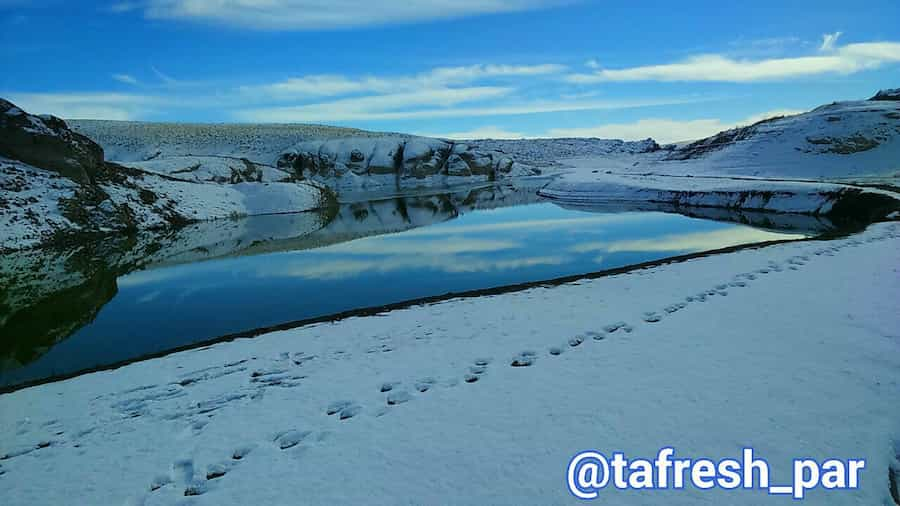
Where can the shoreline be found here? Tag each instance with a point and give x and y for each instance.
(758, 341)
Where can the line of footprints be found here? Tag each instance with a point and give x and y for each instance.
(394, 394)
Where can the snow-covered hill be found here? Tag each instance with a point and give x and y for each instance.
(132, 141)
(54, 182)
(347, 160)
(784, 164)
(840, 140)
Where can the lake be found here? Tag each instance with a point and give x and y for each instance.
(117, 299)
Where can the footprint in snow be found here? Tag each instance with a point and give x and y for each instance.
(652, 317)
(524, 359)
(196, 487)
(242, 451)
(344, 409)
(477, 369)
(395, 397)
(612, 327)
(424, 385)
(555, 351)
(214, 471)
(596, 336)
(291, 438)
(576, 340)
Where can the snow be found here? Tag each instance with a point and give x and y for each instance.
(218, 169)
(746, 194)
(758, 350)
(793, 157)
(29, 204)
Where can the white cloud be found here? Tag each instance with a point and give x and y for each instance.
(847, 59)
(328, 14)
(662, 130)
(829, 40)
(485, 132)
(83, 105)
(125, 78)
(396, 105)
(372, 108)
(334, 85)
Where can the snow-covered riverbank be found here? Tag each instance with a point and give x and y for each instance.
(753, 348)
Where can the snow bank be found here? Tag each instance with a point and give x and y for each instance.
(753, 348)
(745, 194)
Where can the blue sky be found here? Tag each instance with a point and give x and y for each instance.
(503, 68)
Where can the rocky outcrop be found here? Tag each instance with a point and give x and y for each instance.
(55, 186)
(889, 94)
(48, 143)
(414, 158)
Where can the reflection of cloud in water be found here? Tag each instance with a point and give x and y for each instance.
(149, 276)
(150, 297)
(449, 228)
(395, 245)
(339, 269)
(694, 241)
(598, 259)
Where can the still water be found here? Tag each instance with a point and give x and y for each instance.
(66, 311)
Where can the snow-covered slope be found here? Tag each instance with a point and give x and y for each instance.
(786, 164)
(347, 160)
(421, 406)
(839, 140)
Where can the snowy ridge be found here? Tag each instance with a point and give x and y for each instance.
(254, 420)
(789, 164)
(843, 139)
(132, 141)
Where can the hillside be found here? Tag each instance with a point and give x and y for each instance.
(856, 139)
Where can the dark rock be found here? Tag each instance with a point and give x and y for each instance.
(48, 143)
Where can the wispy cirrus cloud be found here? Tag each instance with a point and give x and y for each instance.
(324, 15)
(125, 78)
(831, 59)
(375, 107)
(322, 85)
(113, 106)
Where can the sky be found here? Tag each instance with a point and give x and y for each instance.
(448, 68)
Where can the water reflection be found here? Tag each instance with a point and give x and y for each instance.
(121, 298)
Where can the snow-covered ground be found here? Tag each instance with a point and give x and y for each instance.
(803, 160)
(752, 348)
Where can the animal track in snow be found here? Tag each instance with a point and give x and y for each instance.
(426, 384)
(652, 317)
(524, 359)
(291, 438)
(395, 397)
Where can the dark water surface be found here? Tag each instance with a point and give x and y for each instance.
(65, 311)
